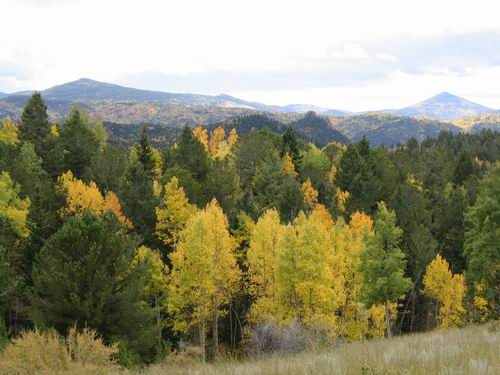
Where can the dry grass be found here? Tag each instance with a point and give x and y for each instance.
(472, 350)
(44, 353)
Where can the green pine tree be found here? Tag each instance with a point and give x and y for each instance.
(383, 264)
(34, 126)
(83, 277)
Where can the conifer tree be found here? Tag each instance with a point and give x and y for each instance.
(34, 126)
(79, 144)
(90, 283)
(383, 265)
(289, 146)
(144, 152)
(481, 248)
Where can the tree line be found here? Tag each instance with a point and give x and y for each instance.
(204, 241)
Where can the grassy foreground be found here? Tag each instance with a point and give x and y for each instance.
(471, 350)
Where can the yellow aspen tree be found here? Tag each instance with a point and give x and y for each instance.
(8, 132)
(310, 195)
(174, 213)
(288, 167)
(310, 281)
(204, 274)
(262, 253)
(54, 131)
(158, 162)
(13, 208)
(217, 138)
(356, 318)
(232, 138)
(342, 197)
(201, 135)
(331, 176)
(80, 196)
(111, 202)
(447, 290)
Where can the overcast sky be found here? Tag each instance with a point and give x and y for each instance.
(350, 54)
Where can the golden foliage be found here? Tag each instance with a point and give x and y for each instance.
(54, 131)
(201, 134)
(342, 197)
(204, 271)
(310, 195)
(81, 197)
(171, 219)
(288, 167)
(111, 202)
(13, 208)
(218, 146)
(447, 290)
(262, 253)
(8, 132)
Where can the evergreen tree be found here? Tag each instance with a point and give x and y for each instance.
(79, 145)
(145, 152)
(481, 248)
(465, 168)
(90, 283)
(289, 146)
(354, 177)
(383, 265)
(190, 155)
(34, 126)
(139, 202)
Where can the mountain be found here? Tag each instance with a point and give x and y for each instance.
(387, 129)
(2, 94)
(310, 127)
(318, 129)
(474, 124)
(443, 106)
(85, 89)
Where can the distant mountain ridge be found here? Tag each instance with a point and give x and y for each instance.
(122, 105)
(444, 106)
(85, 89)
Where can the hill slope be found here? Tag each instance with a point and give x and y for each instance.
(389, 130)
(471, 350)
(310, 128)
(444, 106)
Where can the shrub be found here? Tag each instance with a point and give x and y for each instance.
(268, 338)
(37, 352)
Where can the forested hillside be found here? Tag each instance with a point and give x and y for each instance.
(237, 238)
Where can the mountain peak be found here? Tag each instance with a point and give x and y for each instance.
(444, 106)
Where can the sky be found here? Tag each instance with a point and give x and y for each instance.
(351, 54)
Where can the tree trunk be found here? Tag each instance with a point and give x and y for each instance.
(215, 331)
(158, 319)
(388, 320)
(202, 340)
(412, 318)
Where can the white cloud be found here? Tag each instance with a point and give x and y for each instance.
(286, 50)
